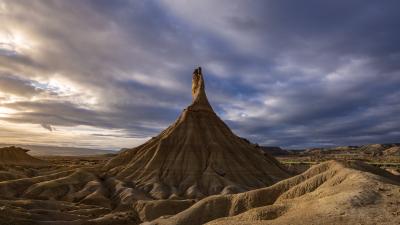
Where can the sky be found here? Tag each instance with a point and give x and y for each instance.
(112, 74)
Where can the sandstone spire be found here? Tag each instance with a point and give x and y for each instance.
(199, 97)
(196, 156)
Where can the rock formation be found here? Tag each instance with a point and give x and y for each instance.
(18, 157)
(196, 156)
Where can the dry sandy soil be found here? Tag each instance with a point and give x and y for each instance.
(197, 171)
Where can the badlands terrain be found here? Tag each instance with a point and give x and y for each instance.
(197, 171)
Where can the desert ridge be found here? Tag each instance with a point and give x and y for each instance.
(332, 192)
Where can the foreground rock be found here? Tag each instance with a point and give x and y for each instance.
(329, 193)
(197, 156)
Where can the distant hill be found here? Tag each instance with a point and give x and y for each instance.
(61, 151)
(368, 149)
(275, 151)
(18, 156)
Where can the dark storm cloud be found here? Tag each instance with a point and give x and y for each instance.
(53, 113)
(56, 113)
(283, 73)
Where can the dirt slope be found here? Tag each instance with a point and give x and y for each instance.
(328, 193)
(197, 156)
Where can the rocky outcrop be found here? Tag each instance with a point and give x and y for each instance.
(196, 156)
(14, 156)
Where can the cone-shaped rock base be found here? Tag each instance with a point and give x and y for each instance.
(195, 157)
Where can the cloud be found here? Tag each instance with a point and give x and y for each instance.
(47, 127)
(17, 86)
(304, 74)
